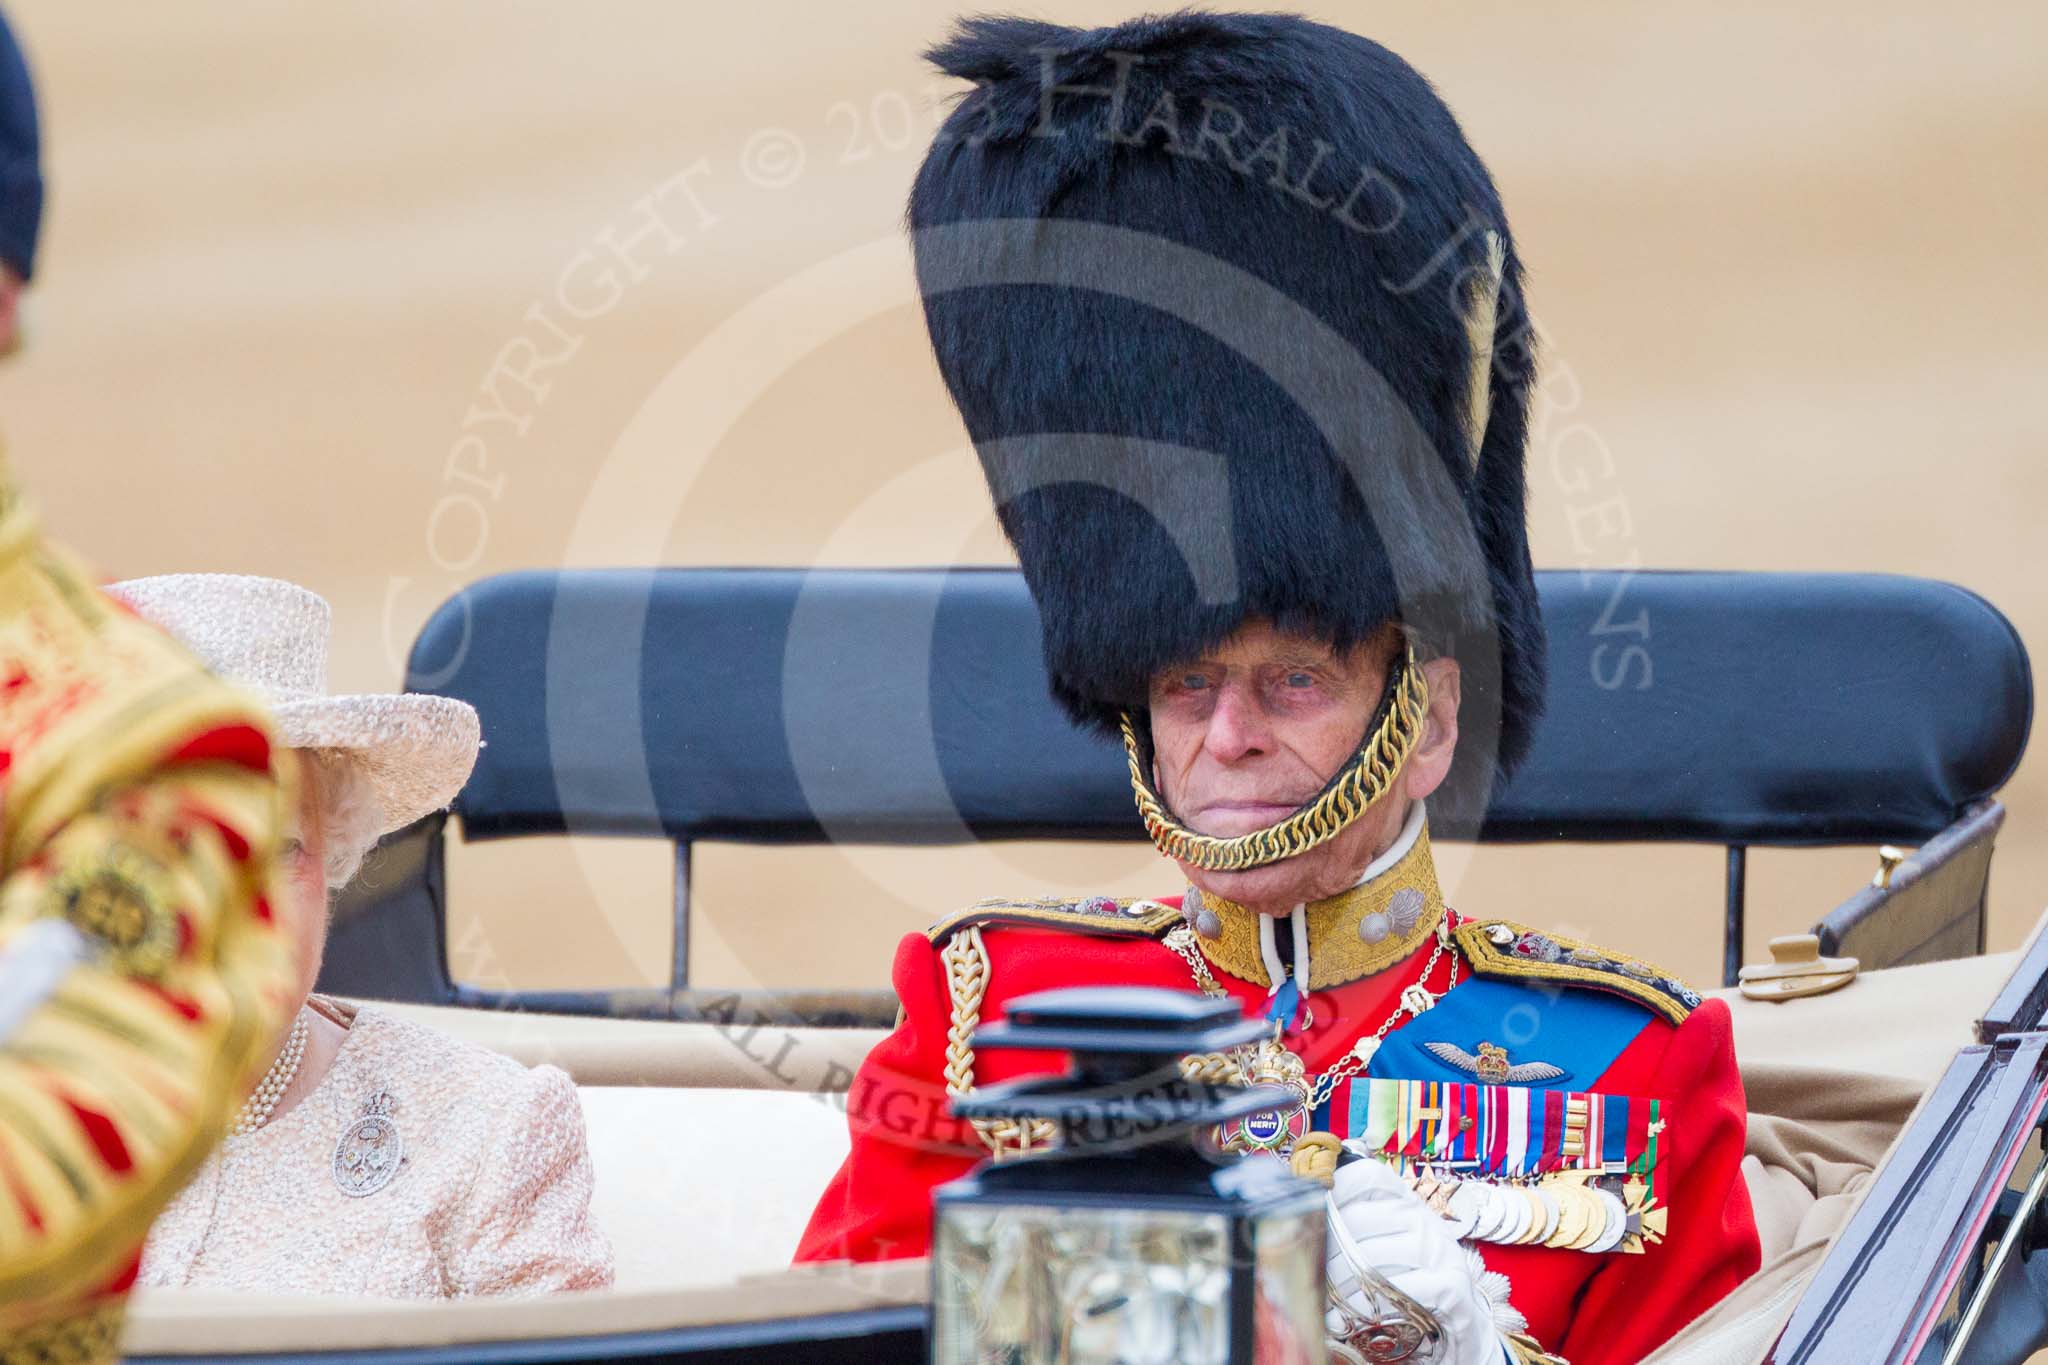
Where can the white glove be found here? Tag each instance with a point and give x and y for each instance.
(1377, 1222)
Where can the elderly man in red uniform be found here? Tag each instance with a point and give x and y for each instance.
(1235, 319)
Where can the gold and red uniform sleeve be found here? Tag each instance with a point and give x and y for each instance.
(141, 804)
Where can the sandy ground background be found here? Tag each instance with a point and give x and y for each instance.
(1789, 260)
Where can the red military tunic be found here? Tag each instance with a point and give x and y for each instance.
(1588, 1308)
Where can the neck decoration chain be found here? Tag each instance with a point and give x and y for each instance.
(257, 1108)
(1269, 1062)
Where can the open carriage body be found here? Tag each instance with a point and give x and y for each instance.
(1894, 1123)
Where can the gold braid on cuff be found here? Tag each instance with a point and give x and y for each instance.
(1361, 782)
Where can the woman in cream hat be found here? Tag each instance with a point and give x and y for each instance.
(376, 1157)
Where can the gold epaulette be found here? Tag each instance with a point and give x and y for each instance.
(1501, 948)
(1104, 916)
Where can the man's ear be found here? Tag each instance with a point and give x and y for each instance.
(1430, 763)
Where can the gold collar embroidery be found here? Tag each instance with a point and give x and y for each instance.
(1351, 935)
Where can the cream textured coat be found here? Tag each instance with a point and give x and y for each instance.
(492, 1195)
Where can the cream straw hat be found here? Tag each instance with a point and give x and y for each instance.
(271, 637)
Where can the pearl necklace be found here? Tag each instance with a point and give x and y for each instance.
(256, 1109)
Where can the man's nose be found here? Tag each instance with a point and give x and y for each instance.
(1237, 725)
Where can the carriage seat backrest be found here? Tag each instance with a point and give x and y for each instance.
(910, 706)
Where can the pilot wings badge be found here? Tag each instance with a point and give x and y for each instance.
(1492, 1066)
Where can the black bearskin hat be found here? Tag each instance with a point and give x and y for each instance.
(1232, 313)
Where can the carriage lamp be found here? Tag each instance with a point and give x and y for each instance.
(1131, 1239)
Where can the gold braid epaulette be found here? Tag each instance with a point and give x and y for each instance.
(1100, 915)
(958, 939)
(1502, 948)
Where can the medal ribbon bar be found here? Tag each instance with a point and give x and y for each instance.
(1511, 1131)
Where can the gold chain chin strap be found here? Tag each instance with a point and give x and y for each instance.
(967, 972)
(1364, 780)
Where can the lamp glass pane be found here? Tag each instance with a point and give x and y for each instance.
(1039, 1284)
(1288, 1254)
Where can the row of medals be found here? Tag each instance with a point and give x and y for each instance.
(1565, 1210)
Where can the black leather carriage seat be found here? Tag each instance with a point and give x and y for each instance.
(910, 707)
